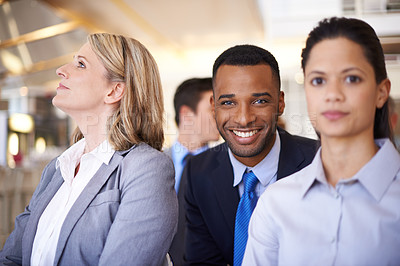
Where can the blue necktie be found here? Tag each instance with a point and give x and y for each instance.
(246, 206)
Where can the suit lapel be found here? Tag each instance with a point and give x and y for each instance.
(42, 202)
(290, 157)
(88, 194)
(181, 190)
(227, 195)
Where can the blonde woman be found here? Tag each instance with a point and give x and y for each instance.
(109, 199)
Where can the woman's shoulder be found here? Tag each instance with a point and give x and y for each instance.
(291, 186)
(294, 180)
(144, 156)
(147, 166)
(145, 151)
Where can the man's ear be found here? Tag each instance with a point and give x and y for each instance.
(383, 92)
(115, 94)
(281, 103)
(185, 113)
(212, 105)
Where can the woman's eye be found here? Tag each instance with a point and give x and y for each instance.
(352, 79)
(81, 64)
(317, 81)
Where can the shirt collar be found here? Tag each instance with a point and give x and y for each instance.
(264, 170)
(312, 173)
(73, 153)
(367, 175)
(103, 152)
(384, 165)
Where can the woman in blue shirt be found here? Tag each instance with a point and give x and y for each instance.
(343, 209)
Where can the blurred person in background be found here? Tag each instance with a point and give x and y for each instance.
(196, 129)
(342, 209)
(109, 199)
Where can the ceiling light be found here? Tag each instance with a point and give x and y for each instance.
(22, 123)
(12, 62)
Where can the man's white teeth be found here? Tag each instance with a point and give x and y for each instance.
(245, 134)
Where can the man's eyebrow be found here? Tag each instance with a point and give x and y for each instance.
(229, 96)
(262, 94)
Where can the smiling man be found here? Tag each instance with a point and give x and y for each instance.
(224, 183)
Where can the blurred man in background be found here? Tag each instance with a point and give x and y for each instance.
(196, 128)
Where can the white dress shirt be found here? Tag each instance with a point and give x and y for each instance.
(303, 220)
(266, 171)
(52, 219)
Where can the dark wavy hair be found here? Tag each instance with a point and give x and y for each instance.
(364, 35)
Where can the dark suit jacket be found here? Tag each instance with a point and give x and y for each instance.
(177, 247)
(176, 250)
(211, 200)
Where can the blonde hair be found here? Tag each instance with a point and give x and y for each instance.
(139, 117)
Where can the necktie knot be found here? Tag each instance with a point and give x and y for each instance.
(250, 181)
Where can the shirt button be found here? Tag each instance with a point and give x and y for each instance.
(333, 240)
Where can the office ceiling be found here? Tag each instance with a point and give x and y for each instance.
(38, 36)
(177, 23)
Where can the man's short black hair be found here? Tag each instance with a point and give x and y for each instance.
(247, 55)
(189, 93)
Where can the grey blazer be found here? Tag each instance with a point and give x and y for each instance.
(126, 215)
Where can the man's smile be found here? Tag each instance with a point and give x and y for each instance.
(245, 134)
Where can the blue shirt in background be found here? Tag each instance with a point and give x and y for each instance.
(178, 154)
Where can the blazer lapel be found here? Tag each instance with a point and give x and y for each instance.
(88, 194)
(227, 195)
(290, 157)
(42, 201)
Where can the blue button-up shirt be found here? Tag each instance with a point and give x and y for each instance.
(178, 153)
(266, 171)
(303, 220)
